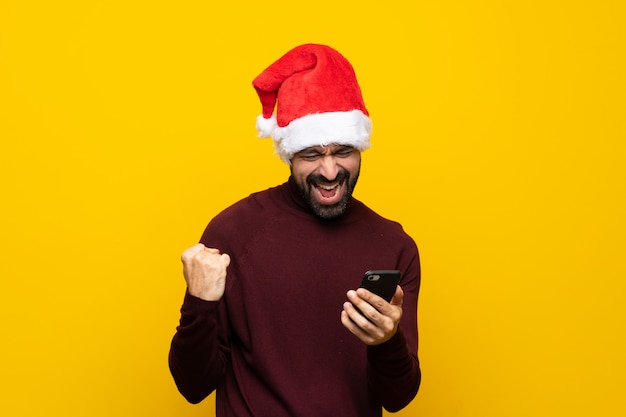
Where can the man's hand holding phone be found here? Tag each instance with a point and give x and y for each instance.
(370, 317)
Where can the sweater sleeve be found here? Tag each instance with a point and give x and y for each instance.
(197, 359)
(393, 369)
(394, 374)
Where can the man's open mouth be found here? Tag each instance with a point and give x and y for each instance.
(328, 193)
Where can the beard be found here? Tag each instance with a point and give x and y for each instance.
(328, 211)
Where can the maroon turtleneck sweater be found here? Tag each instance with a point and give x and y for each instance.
(274, 345)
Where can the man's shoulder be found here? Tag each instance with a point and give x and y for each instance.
(371, 214)
(254, 204)
(377, 221)
(258, 200)
(241, 220)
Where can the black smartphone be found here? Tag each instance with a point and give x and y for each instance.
(382, 282)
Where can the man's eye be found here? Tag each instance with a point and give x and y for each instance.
(344, 154)
(311, 157)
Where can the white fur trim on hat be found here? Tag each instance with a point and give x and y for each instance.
(351, 128)
(266, 127)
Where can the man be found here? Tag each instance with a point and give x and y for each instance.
(270, 317)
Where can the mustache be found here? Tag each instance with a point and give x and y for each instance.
(320, 179)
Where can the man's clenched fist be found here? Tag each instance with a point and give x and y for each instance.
(205, 271)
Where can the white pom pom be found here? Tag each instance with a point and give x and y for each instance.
(266, 127)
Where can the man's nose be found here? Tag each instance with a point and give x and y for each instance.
(329, 167)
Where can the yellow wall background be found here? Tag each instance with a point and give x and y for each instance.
(499, 143)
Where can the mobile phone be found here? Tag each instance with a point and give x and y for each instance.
(382, 282)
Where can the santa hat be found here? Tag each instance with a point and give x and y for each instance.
(317, 99)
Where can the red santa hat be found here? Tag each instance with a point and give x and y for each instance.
(317, 99)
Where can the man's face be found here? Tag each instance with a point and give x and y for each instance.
(326, 177)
